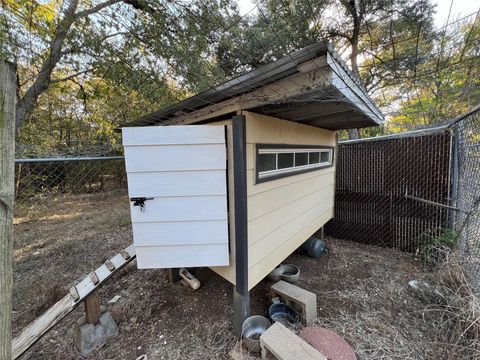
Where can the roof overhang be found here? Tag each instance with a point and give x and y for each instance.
(312, 86)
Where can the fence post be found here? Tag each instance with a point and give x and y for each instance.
(7, 190)
(453, 177)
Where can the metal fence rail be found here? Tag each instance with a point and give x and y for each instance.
(36, 178)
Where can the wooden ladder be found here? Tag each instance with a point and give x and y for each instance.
(85, 290)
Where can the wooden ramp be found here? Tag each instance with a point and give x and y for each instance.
(77, 295)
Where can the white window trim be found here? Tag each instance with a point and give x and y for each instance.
(294, 169)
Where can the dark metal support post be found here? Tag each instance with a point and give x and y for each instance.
(241, 297)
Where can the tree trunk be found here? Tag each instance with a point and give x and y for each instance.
(357, 18)
(27, 103)
(353, 134)
(7, 191)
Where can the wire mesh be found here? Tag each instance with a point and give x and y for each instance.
(380, 185)
(38, 178)
(466, 166)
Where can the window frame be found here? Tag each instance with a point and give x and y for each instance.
(275, 174)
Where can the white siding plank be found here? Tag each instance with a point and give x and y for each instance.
(183, 233)
(181, 183)
(196, 208)
(175, 158)
(173, 135)
(182, 256)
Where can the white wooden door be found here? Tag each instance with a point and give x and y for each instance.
(181, 172)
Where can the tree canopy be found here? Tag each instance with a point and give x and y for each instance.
(84, 66)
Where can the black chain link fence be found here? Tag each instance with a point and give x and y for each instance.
(418, 192)
(389, 190)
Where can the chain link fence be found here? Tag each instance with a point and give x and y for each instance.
(466, 192)
(390, 189)
(418, 192)
(37, 178)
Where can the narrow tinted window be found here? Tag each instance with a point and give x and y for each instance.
(301, 159)
(314, 158)
(285, 160)
(324, 157)
(267, 162)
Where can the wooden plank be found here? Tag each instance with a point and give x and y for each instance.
(7, 192)
(180, 233)
(272, 221)
(285, 345)
(264, 202)
(258, 271)
(188, 184)
(92, 308)
(271, 130)
(285, 232)
(39, 327)
(228, 272)
(172, 135)
(178, 256)
(178, 209)
(175, 158)
(267, 186)
(295, 85)
(181, 183)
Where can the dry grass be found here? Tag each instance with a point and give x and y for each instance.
(362, 293)
(460, 315)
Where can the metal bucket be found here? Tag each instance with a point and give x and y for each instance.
(287, 272)
(252, 328)
(283, 314)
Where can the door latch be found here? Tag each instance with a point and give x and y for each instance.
(140, 201)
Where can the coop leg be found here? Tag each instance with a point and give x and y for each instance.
(94, 329)
(173, 275)
(241, 297)
(241, 310)
(92, 308)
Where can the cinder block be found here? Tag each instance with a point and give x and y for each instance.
(90, 337)
(283, 344)
(304, 301)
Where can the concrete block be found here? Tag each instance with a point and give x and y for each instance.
(90, 337)
(283, 344)
(239, 352)
(304, 301)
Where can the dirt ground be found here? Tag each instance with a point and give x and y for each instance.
(362, 291)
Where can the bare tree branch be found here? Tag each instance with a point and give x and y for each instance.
(95, 9)
(70, 77)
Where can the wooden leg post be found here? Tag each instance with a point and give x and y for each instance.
(7, 189)
(241, 297)
(173, 276)
(92, 308)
